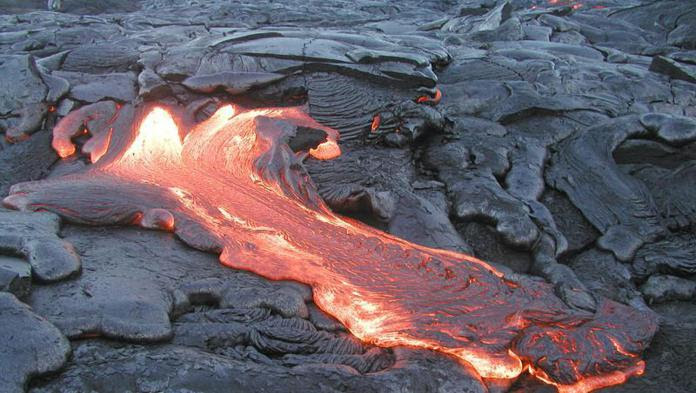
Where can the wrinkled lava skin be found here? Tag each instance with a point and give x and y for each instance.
(232, 185)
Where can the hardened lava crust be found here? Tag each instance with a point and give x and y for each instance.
(364, 196)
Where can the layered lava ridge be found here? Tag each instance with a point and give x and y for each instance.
(231, 185)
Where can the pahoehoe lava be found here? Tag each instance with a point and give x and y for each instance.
(230, 184)
(366, 148)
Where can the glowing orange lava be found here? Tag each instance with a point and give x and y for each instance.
(232, 185)
(574, 4)
(376, 121)
(430, 100)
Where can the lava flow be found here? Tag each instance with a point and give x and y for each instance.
(232, 185)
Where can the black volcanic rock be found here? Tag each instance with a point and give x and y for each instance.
(470, 179)
(673, 68)
(116, 367)
(674, 254)
(371, 183)
(662, 288)
(29, 160)
(15, 276)
(31, 346)
(555, 139)
(606, 276)
(606, 203)
(35, 236)
(93, 88)
(22, 105)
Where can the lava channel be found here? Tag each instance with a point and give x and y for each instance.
(231, 185)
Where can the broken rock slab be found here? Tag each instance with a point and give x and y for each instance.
(15, 276)
(673, 69)
(365, 182)
(470, 175)
(35, 236)
(675, 254)
(569, 220)
(22, 95)
(677, 207)
(29, 345)
(29, 160)
(617, 204)
(605, 276)
(664, 288)
(120, 86)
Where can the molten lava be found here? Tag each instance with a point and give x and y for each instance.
(430, 100)
(232, 185)
(574, 4)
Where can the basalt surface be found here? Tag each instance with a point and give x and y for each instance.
(554, 139)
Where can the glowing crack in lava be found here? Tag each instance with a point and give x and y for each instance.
(574, 4)
(232, 185)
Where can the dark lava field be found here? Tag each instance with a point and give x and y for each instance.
(554, 139)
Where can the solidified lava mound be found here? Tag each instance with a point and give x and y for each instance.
(419, 196)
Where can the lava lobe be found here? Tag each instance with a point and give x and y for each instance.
(231, 185)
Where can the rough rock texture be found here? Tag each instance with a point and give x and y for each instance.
(228, 329)
(34, 236)
(555, 138)
(660, 289)
(15, 276)
(173, 367)
(373, 182)
(29, 160)
(606, 276)
(672, 346)
(31, 345)
(22, 104)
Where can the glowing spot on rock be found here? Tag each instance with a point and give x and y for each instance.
(497, 367)
(326, 151)
(376, 121)
(590, 383)
(430, 100)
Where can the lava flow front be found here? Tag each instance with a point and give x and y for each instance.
(232, 185)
